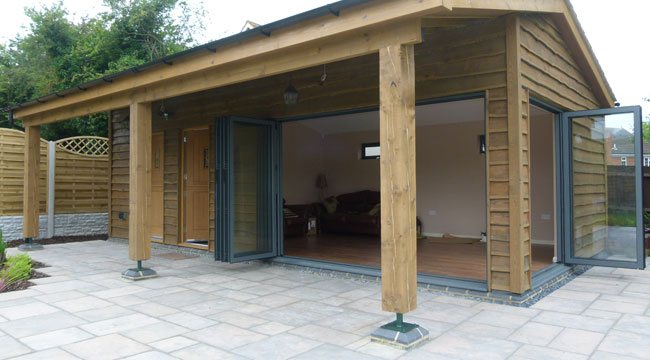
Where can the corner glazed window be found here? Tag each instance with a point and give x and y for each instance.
(370, 151)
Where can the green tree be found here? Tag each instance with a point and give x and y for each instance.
(57, 54)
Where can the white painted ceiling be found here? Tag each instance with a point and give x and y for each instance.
(432, 114)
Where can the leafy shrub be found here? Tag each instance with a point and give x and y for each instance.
(3, 247)
(18, 267)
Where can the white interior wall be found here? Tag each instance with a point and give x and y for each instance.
(450, 170)
(542, 175)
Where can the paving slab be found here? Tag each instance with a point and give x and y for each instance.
(199, 308)
(108, 347)
(55, 338)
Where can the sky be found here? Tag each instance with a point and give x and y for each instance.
(618, 34)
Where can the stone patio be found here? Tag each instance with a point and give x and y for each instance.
(202, 309)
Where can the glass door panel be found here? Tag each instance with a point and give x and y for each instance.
(251, 200)
(604, 195)
(246, 189)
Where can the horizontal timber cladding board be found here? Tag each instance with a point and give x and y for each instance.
(212, 232)
(172, 181)
(498, 188)
(551, 73)
(461, 63)
(119, 122)
(548, 68)
(508, 172)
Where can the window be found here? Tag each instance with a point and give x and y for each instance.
(370, 151)
(624, 160)
(646, 161)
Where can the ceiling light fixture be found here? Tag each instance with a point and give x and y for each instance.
(164, 114)
(290, 95)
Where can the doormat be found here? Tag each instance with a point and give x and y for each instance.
(176, 256)
(198, 242)
(452, 240)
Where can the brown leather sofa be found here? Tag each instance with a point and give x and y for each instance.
(352, 214)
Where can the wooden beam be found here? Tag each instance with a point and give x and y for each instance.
(547, 6)
(518, 282)
(140, 181)
(30, 191)
(451, 22)
(352, 45)
(397, 168)
(378, 14)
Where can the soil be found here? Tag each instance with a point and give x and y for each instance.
(24, 284)
(60, 240)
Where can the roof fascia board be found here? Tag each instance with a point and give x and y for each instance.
(355, 44)
(569, 25)
(546, 6)
(366, 15)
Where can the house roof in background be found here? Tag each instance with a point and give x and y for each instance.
(627, 149)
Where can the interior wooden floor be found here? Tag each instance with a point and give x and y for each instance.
(461, 258)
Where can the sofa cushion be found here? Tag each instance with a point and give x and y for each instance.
(358, 202)
(331, 203)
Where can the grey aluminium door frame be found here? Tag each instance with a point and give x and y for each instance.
(559, 174)
(224, 180)
(567, 165)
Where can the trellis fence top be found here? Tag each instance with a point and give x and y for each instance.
(85, 145)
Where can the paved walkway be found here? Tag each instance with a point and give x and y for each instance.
(202, 309)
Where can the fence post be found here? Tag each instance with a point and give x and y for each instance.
(51, 162)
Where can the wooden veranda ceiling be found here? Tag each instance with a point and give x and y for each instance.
(350, 84)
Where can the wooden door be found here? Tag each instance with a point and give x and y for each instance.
(157, 167)
(197, 184)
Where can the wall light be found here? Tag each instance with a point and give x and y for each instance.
(290, 95)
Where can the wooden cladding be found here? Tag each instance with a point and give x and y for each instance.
(508, 58)
(448, 62)
(119, 194)
(172, 186)
(548, 68)
(551, 73)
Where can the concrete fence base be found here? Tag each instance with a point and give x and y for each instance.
(64, 225)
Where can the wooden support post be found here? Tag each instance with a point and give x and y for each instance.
(397, 164)
(517, 153)
(30, 191)
(140, 182)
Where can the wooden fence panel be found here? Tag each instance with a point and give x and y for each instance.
(12, 159)
(81, 181)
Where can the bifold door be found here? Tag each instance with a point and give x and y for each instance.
(246, 193)
(603, 189)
